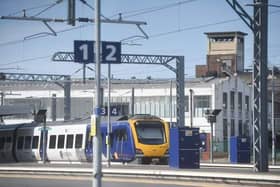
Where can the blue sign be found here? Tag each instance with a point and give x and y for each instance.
(114, 111)
(111, 52)
(84, 52)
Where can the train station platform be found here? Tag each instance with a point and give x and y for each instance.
(217, 173)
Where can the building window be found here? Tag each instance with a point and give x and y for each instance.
(240, 131)
(247, 103)
(246, 128)
(225, 129)
(232, 128)
(187, 104)
(232, 100)
(240, 101)
(224, 100)
(201, 104)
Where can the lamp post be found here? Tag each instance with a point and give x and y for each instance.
(211, 117)
(272, 120)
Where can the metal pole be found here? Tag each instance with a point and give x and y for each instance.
(2, 103)
(272, 120)
(260, 86)
(109, 118)
(191, 108)
(228, 139)
(67, 98)
(180, 92)
(170, 103)
(53, 107)
(84, 73)
(211, 143)
(44, 139)
(97, 173)
(132, 101)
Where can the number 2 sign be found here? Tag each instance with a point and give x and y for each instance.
(111, 52)
(84, 51)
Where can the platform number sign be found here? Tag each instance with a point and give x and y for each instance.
(111, 52)
(113, 109)
(84, 51)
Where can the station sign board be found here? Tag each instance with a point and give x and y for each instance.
(84, 52)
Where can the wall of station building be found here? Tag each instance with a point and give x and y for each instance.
(233, 96)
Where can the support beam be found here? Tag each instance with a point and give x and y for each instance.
(258, 24)
(260, 86)
(150, 59)
(66, 79)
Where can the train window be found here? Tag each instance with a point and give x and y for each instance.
(60, 143)
(121, 134)
(20, 142)
(9, 139)
(52, 141)
(69, 141)
(2, 142)
(79, 141)
(35, 142)
(27, 142)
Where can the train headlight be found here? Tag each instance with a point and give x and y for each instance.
(167, 152)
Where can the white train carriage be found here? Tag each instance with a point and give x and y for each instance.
(66, 142)
(27, 143)
(7, 134)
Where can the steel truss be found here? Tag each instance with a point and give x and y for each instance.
(150, 59)
(259, 27)
(57, 79)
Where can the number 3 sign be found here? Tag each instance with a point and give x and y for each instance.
(84, 52)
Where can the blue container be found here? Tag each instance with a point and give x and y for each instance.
(184, 147)
(239, 149)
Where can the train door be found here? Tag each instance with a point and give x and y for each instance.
(122, 145)
(88, 144)
(41, 144)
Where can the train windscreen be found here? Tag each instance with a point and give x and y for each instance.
(150, 132)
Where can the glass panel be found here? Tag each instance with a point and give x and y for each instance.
(27, 142)
(232, 100)
(201, 104)
(224, 100)
(60, 144)
(79, 141)
(150, 132)
(232, 128)
(20, 142)
(240, 101)
(52, 142)
(9, 139)
(35, 142)
(2, 142)
(69, 141)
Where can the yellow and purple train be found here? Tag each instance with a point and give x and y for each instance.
(141, 137)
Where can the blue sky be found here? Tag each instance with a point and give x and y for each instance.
(174, 28)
